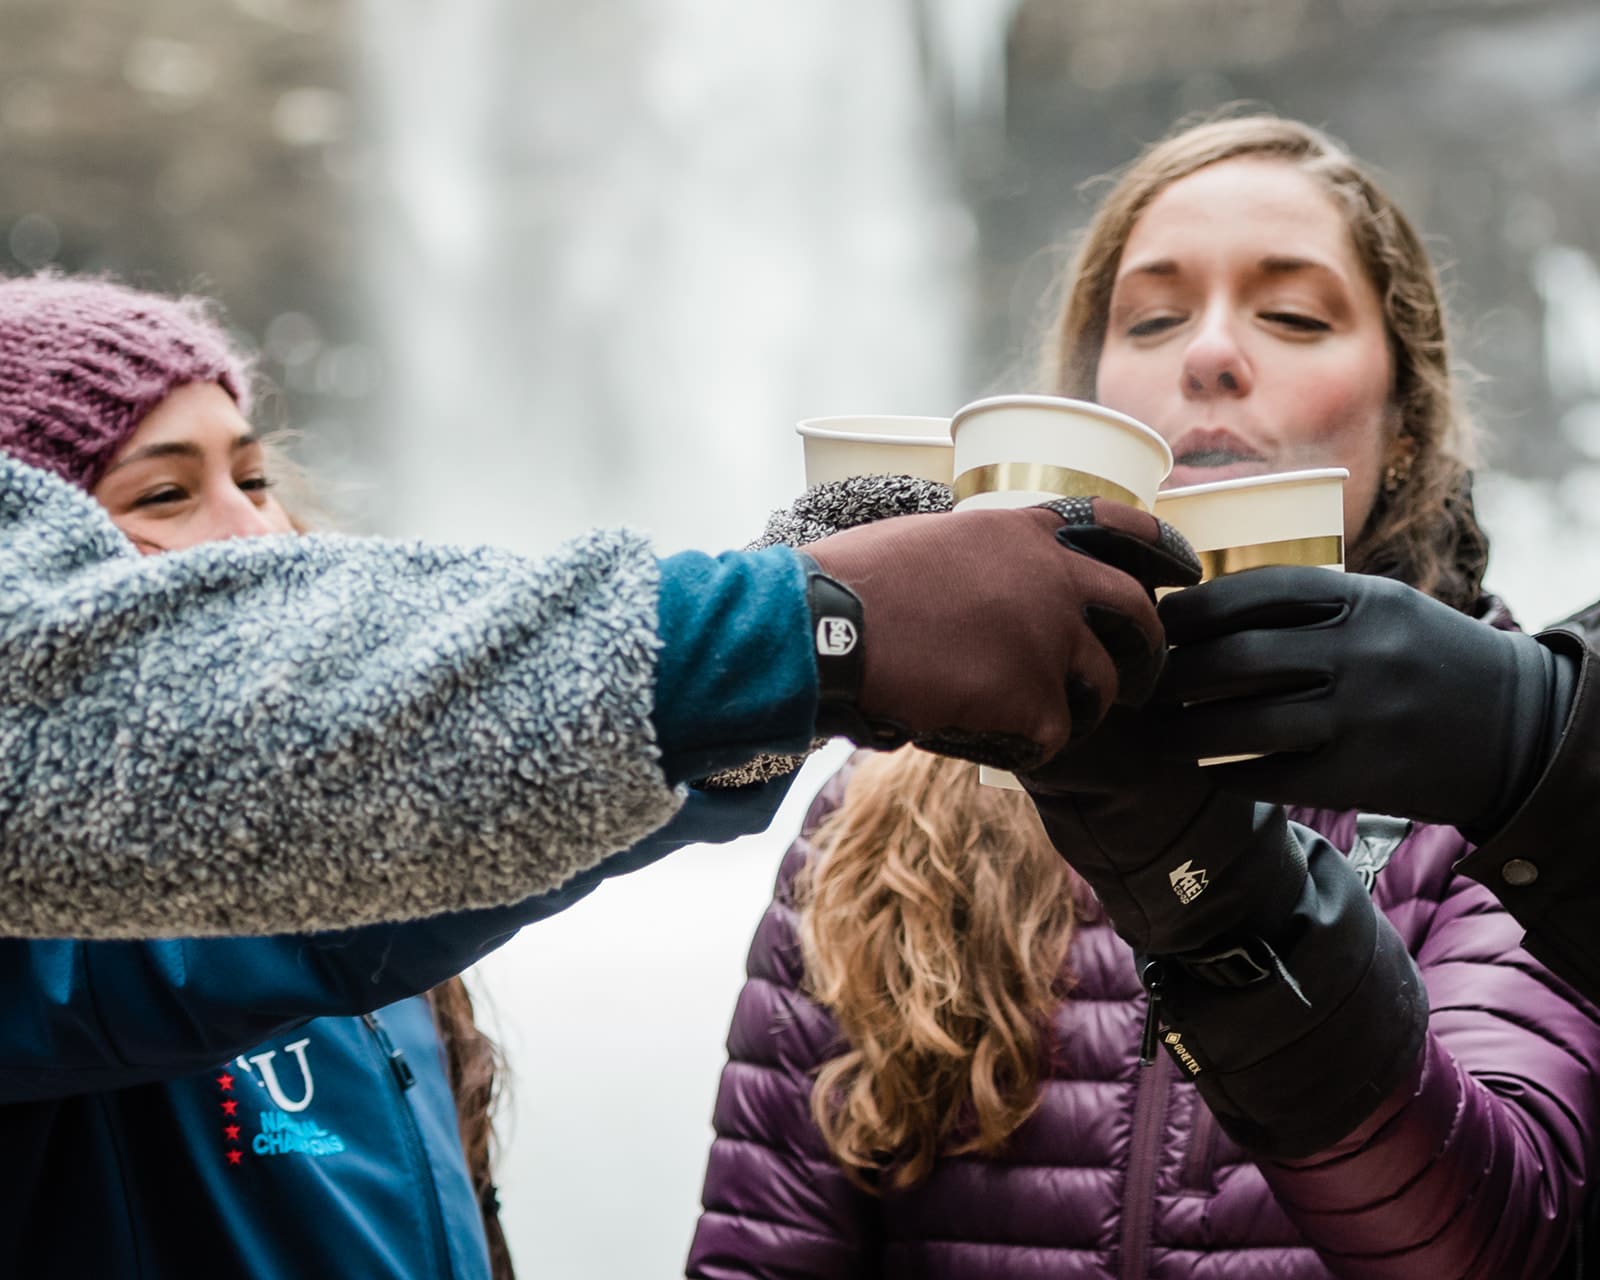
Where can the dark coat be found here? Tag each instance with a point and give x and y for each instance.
(1545, 864)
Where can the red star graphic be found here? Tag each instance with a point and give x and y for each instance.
(231, 1132)
(235, 1156)
(229, 1107)
(225, 1082)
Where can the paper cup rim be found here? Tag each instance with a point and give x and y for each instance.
(1061, 402)
(814, 428)
(1255, 482)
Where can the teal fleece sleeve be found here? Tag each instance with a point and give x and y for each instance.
(735, 676)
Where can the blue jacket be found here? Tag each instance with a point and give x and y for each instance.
(264, 1107)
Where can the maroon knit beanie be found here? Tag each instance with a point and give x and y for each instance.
(82, 361)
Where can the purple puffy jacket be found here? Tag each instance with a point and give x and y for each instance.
(1476, 1168)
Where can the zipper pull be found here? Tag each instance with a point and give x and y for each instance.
(403, 1074)
(1150, 976)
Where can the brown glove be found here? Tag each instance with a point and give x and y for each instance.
(819, 512)
(995, 636)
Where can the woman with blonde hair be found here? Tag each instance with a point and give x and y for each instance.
(1133, 1024)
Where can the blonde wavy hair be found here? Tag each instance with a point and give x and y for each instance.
(934, 922)
(1423, 530)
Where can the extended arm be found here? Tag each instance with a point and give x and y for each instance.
(272, 734)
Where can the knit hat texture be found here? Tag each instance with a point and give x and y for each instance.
(82, 361)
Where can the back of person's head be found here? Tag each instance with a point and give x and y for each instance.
(1422, 528)
(84, 361)
(935, 924)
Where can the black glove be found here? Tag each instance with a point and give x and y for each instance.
(1295, 1037)
(1275, 984)
(1176, 862)
(994, 636)
(1369, 695)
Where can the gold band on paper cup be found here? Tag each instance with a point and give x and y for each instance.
(1040, 477)
(1327, 550)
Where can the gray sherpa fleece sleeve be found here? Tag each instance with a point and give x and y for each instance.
(276, 734)
(817, 513)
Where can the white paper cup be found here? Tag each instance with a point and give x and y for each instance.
(1292, 518)
(1017, 451)
(876, 445)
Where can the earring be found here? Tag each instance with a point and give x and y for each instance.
(1399, 470)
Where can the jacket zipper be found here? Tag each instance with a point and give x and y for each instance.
(400, 1071)
(1149, 1114)
(398, 1066)
(1196, 1176)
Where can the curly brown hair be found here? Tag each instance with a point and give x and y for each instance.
(935, 926)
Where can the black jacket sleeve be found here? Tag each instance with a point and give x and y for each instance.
(1544, 864)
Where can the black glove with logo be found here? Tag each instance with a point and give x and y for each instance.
(1294, 1037)
(1366, 693)
(1176, 862)
(1275, 984)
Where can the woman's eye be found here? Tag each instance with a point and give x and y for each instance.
(1152, 326)
(255, 484)
(1295, 320)
(163, 496)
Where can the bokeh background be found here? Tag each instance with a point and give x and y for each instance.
(519, 267)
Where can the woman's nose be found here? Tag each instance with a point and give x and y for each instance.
(1214, 364)
(232, 514)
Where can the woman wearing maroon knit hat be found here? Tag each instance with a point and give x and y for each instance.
(84, 362)
(271, 1116)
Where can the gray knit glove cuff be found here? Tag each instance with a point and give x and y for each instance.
(816, 514)
(843, 504)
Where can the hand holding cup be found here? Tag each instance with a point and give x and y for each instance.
(994, 636)
(1016, 451)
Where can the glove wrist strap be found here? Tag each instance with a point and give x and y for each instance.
(838, 643)
(1251, 961)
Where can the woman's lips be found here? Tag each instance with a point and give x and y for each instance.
(1184, 475)
(1212, 453)
(1210, 457)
